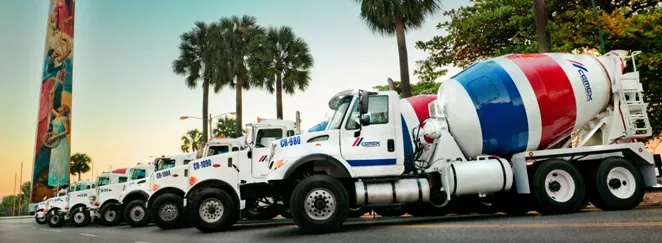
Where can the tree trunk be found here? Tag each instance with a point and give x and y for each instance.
(238, 107)
(540, 17)
(78, 176)
(404, 65)
(205, 111)
(279, 97)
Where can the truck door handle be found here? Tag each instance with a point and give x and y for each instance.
(390, 144)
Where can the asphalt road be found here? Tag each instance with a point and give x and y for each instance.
(640, 225)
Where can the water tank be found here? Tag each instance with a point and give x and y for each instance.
(521, 102)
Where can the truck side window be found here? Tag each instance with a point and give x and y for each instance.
(235, 149)
(265, 136)
(290, 133)
(377, 111)
(122, 179)
(186, 161)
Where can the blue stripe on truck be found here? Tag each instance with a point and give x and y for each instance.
(408, 146)
(371, 162)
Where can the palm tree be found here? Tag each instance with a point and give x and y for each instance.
(226, 127)
(80, 163)
(190, 140)
(236, 35)
(285, 62)
(388, 17)
(195, 59)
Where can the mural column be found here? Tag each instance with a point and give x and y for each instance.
(53, 139)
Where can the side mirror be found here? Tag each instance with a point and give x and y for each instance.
(365, 120)
(363, 102)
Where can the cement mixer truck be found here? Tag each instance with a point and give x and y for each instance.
(547, 132)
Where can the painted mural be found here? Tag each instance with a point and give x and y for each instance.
(51, 161)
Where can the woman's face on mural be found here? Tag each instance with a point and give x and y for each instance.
(62, 110)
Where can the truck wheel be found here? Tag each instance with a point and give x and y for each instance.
(558, 187)
(81, 217)
(136, 213)
(167, 211)
(213, 210)
(39, 220)
(319, 204)
(55, 219)
(110, 215)
(616, 185)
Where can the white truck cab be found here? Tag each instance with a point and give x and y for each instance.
(80, 197)
(107, 205)
(168, 184)
(134, 196)
(58, 202)
(237, 179)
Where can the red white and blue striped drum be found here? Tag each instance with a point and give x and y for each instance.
(522, 102)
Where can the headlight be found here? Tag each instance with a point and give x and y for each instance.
(91, 198)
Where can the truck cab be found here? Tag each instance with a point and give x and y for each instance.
(107, 205)
(168, 185)
(58, 202)
(80, 197)
(239, 177)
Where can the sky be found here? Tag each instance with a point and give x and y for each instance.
(126, 99)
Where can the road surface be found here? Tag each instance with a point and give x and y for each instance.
(640, 225)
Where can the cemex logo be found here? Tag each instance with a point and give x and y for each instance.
(582, 74)
(262, 159)
(359, 142)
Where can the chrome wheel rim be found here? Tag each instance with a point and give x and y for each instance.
(320, 204)
(168, 212)
(110, 215)
(137, 213)
(211, 210)
(79, 217)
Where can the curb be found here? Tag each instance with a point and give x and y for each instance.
(16, 217)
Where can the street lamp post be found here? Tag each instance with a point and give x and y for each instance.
(210, 119)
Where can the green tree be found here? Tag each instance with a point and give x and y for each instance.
(236, 36)
(197, 62)
(8, 205)
(284, 63)
(225, 126)
(422, 87)
(191, 140)
(389, 17)
(628, 25)
(80, 163)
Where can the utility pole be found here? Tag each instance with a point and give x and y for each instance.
(20, 189)
(13, 210)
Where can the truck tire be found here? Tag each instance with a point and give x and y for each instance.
(110, 215)
(55, 219)
(557, 187)
(319, 204)
(615, 184)
(168, 211)
(136, 214)
(213, 210)
(41, 220)
(80, 217)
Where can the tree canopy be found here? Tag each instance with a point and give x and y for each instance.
(490, 28)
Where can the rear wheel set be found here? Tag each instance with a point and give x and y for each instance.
(558, 187)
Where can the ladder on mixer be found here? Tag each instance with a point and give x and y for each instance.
(632, 105)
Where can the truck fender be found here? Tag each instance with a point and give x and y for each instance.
(137, 194)
(342, 171)
(214, 183)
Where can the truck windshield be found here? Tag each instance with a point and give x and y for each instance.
(165, 164)
(103, 181)
(218, 149)
(138, 174)
(339, 113)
